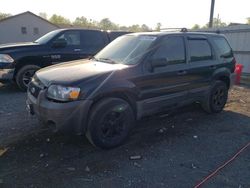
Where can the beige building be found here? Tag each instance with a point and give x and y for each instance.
(24, 27)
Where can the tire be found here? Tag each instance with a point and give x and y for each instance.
(217, 98)
(24, 75)
(110, 122)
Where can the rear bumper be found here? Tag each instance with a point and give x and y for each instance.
(70, 116)
(6, 74)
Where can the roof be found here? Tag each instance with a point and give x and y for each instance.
(28, 12)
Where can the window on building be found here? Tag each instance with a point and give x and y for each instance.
(199, 50)
(172, 49)
(35, 31)
(24, 30)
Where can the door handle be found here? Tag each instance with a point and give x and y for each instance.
(181, 72)
(77, 50)
(212, 67)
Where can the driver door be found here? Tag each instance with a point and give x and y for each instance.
(71, 50)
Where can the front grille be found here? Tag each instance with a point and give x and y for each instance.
(35, 87)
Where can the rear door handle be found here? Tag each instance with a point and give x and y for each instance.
(212, 67)
(181, 72)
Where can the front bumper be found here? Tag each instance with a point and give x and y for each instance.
(70, 116)
(6, 74)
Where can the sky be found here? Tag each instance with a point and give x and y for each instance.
(170, 13)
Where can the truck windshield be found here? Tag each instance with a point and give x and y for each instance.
(126, 49)
(47, 37)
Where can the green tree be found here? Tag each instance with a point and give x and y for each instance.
(158, 26)
(106, 24)
(4, 15)
(82, 22)
(248, 20)
(134, 28)
(196, 26)
(124, 28)
(145, 28)
(217, 22)
(59, 20)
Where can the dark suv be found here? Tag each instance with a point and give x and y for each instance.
(19, 61)
(134, 76)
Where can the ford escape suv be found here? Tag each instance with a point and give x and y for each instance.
(136, 75)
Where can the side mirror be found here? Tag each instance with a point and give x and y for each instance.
(59, 43)
(159, 62)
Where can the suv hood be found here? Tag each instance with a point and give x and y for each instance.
(75, 72)
(14, 46)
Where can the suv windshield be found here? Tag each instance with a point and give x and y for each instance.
(127, 49)
(47, 37)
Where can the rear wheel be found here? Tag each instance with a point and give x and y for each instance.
(24, 76)
(217, 98)
(110, 122)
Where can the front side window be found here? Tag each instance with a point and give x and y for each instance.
(172, 49)
(48, 37)
(199, 50)
(72, 38)
(127, 49)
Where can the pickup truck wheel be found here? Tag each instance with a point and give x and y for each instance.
(217, 98)
(110, 122)
(24, 76)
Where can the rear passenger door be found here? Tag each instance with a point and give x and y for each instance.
(202, 63)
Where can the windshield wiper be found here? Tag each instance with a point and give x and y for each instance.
(106, 60)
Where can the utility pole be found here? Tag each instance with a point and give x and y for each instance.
(211, 14)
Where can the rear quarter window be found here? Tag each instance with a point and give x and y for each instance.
(222, 46)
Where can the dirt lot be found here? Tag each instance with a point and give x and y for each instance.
(177, 150)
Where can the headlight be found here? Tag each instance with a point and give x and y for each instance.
(5, 58)
(62, 93)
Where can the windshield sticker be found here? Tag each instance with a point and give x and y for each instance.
(151, 38)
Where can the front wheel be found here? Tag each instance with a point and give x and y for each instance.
(217, 98)
(24, 76)
(110, 122)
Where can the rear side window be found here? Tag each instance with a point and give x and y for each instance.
(223, 47)
(172, 48)
(199, 50)
(92, 41)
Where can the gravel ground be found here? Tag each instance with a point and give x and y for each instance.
(177, 150)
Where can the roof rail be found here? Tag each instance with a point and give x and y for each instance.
(170, 29)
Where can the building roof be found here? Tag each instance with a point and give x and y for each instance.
(234, 28)
(28, 12)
